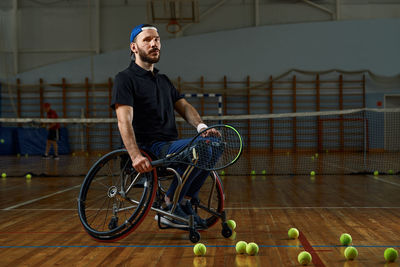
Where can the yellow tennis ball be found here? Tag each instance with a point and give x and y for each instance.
(390, 254)
(252, 249)
(316, 155)
(293, 233)
(345, 239)
(28, 176)
(376, 173)
(231, 224)
(263, 172)
(253, 172)
(222, 172)
(304, 258)
(312, 157)
(312, 173)
(2, 140)
(350, 253)
(199, 249)
(390, 172)
(3, 175)
(241, 247)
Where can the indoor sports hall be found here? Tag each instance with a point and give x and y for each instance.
(302, 98)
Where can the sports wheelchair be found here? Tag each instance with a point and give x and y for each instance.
(114, 199)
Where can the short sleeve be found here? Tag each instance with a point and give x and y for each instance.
(174, 92)
(122, 92)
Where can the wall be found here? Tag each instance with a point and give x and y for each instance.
(53, 31)
(258, 52)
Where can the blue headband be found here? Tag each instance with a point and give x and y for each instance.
(139, 28)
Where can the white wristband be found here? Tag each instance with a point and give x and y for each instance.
(201, 126)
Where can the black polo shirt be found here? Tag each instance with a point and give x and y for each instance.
(152, 97)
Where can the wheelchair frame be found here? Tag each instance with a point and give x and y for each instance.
(112, 190)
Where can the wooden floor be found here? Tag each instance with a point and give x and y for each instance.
(39, 225)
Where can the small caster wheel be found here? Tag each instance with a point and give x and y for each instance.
(226, 231)
(194, 236)
(113, 223)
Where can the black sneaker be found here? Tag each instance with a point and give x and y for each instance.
(172, 222)
(56, 157)
(44, 156)
(188, 209)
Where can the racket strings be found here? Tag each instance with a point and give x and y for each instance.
(213, 152)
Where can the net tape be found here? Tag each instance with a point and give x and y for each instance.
(208, 118)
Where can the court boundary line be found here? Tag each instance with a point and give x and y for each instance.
(233, 208)
(40, 198)
(367, 175)
(190, 246)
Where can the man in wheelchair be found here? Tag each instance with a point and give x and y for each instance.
(145, 101)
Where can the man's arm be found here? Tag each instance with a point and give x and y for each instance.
(190, 114)
(125, 117)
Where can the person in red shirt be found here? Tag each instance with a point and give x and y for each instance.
(53, 132)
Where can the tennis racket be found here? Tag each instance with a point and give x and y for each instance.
(214, 148)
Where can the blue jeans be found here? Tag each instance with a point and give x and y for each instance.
(193, 182)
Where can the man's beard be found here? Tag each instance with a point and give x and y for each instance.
(146, 58)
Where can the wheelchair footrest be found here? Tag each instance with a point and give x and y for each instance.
(162, 225)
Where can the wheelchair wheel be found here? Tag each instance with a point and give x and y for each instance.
(212, 197)
(114, 199)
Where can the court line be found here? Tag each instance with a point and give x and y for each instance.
(307, 246)
(277, 208)
(381, 180)
(368, 175)
(190, 246)
(40, 198)
(233, 208)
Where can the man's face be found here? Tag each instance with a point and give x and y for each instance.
(148, 46)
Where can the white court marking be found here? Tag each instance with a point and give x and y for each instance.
(239, 208)
(40, 198)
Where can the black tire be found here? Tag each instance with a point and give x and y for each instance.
(194, 236)
(216, 202)
(104, 211)
(226, 231)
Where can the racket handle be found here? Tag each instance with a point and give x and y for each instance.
(157, 162)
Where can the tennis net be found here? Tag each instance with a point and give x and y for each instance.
(328, 142)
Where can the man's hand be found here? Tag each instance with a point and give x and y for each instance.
(141, 164)
(211, 132)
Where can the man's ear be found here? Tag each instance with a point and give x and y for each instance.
(133, 47)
